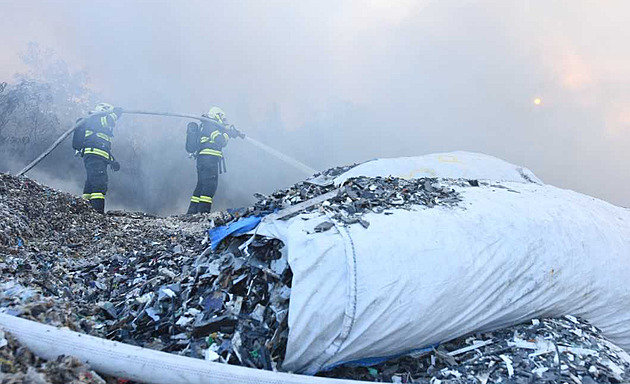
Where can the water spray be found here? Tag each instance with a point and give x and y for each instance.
(279, 155)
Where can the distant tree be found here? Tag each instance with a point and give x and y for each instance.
(69, 89)
(26, 119)
(39, 104)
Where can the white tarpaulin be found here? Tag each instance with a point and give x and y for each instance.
(509, 252)
(465, 165)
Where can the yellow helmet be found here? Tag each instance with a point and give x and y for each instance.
(103, 107)
(217, 114)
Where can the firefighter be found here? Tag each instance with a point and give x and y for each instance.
(206, 143)
(93, 141)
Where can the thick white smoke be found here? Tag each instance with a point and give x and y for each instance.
(333, 82)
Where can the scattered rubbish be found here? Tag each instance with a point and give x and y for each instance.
(322, 227)
(522, 353)
(321, 180)
(361, 195)
(3, 340)
(476, 344)
(508, 365)
(170, 285)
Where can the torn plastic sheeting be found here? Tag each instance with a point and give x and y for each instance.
(141, 364)
(240, 227)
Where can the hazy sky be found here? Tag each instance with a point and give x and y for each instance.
(335, 82)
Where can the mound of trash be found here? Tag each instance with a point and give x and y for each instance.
(223, 295)
(154, 282)
(26, 212)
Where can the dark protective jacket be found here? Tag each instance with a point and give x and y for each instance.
(212, 139)
(99, 131)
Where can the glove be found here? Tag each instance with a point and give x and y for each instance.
(234, 133)
(115, 166)
(118, 111)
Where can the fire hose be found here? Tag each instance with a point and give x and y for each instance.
(279, 155)
(142, 364)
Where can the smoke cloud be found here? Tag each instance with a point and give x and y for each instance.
(336, 82)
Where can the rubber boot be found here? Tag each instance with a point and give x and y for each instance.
(205, 207)
(193, 208)
(98, 205)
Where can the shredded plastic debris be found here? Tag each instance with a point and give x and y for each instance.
(160, 283)
(146, 281)
(361, 195)
(564, 350)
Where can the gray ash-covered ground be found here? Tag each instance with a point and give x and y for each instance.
(154, 282)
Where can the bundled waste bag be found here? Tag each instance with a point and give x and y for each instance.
(509, 250)
(453, 165)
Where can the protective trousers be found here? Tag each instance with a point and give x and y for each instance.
(96, 183)
(207, 183)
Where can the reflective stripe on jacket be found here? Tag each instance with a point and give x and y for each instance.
(98, 135)
(212, 142)
(98, 152)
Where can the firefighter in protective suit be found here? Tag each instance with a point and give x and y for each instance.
(206, 143)
(93, 141)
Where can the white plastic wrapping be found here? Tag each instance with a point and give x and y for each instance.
(458, 164)
(511, 251)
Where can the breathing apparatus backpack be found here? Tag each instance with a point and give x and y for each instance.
(192, 137)
(78, 137)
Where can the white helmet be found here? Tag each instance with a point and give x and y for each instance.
(103, 107)
(217, 114)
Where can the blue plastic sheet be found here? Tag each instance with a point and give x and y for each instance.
(240, 227)
(368, 362)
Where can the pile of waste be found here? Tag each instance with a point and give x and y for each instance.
(560, 350)
(19, 365)
(154, 282)
(162, 283)
(359, 195)
(26, 212)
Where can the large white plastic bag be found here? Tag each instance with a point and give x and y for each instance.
(416, 278)
(466, 165)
